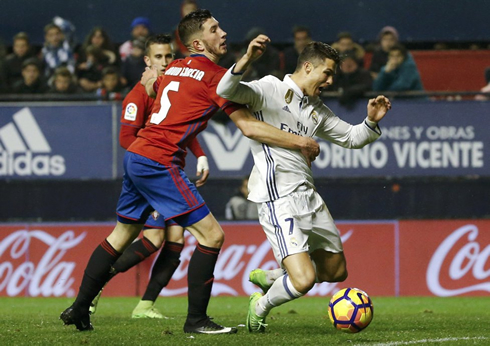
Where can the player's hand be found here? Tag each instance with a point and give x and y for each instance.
(149, 73)
(378, 107)
(310, 150)
(202, 170)
(257, 47)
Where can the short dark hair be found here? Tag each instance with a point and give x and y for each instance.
(316, 52)
(51, 26)
(63, 71)
(191, 24)
(96, 52)
(107, 41)
(401, 48)
(110, 70)
(301, 28)
(344, 34)
(157, 39)
(21, 36)
(32, 61)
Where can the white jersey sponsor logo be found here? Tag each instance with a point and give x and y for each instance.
(24, 151)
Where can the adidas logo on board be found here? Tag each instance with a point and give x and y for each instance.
(24, 150)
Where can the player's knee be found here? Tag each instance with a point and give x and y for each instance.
(123, 235)
(336, 276)
(214, 238)
(175, 234)
(155, 236)
(303, 282)
(340, 276)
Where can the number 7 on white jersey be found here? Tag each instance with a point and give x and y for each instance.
(157, 118)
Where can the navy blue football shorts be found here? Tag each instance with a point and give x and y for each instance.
(149, 185)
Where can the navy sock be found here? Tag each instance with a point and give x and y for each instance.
(134, 254)
(163, 269)
(200, 281)
(97, 273)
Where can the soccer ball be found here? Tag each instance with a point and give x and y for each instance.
(350, 310)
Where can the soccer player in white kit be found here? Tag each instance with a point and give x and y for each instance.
(297, 223)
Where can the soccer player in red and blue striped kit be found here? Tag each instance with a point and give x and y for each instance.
(154, 178)
(136, 109)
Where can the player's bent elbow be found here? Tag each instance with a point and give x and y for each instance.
(247, 128)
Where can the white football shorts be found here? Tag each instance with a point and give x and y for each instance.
(299, 222)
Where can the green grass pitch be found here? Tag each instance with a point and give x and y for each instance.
(397, 321)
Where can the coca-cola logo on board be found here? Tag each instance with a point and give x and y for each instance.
(50, 276)
(460, 259)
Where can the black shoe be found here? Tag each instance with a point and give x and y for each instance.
(79, 319)
(208, 327)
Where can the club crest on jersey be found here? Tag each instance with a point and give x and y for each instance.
(293, 241)
(289, 96)
(314, 117)
(130, 112)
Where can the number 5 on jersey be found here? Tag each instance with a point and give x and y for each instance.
(157, 118)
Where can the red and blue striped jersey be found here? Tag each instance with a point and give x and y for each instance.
(185, 101)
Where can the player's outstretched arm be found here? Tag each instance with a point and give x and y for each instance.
(255, 49)
(270, 135)
(230, 88)
(377, 108)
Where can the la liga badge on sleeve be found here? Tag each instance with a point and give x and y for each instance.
(130, 112)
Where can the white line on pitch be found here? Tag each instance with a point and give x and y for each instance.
(423, 341)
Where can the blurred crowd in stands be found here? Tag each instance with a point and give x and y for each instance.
(107, 70)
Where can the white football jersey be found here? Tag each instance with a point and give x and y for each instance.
(278, 171)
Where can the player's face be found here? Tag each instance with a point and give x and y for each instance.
(160, 55)
(214, 38)
(319, 77)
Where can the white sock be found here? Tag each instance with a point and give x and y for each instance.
(274, 274)
(281, 291)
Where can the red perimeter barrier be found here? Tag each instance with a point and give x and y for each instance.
(385, 258)
(449, 70)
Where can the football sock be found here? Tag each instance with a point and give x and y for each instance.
(163, 269)
(200, 281)
(274, 274)
(134, 254)
(281, 291)
(96, 274)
